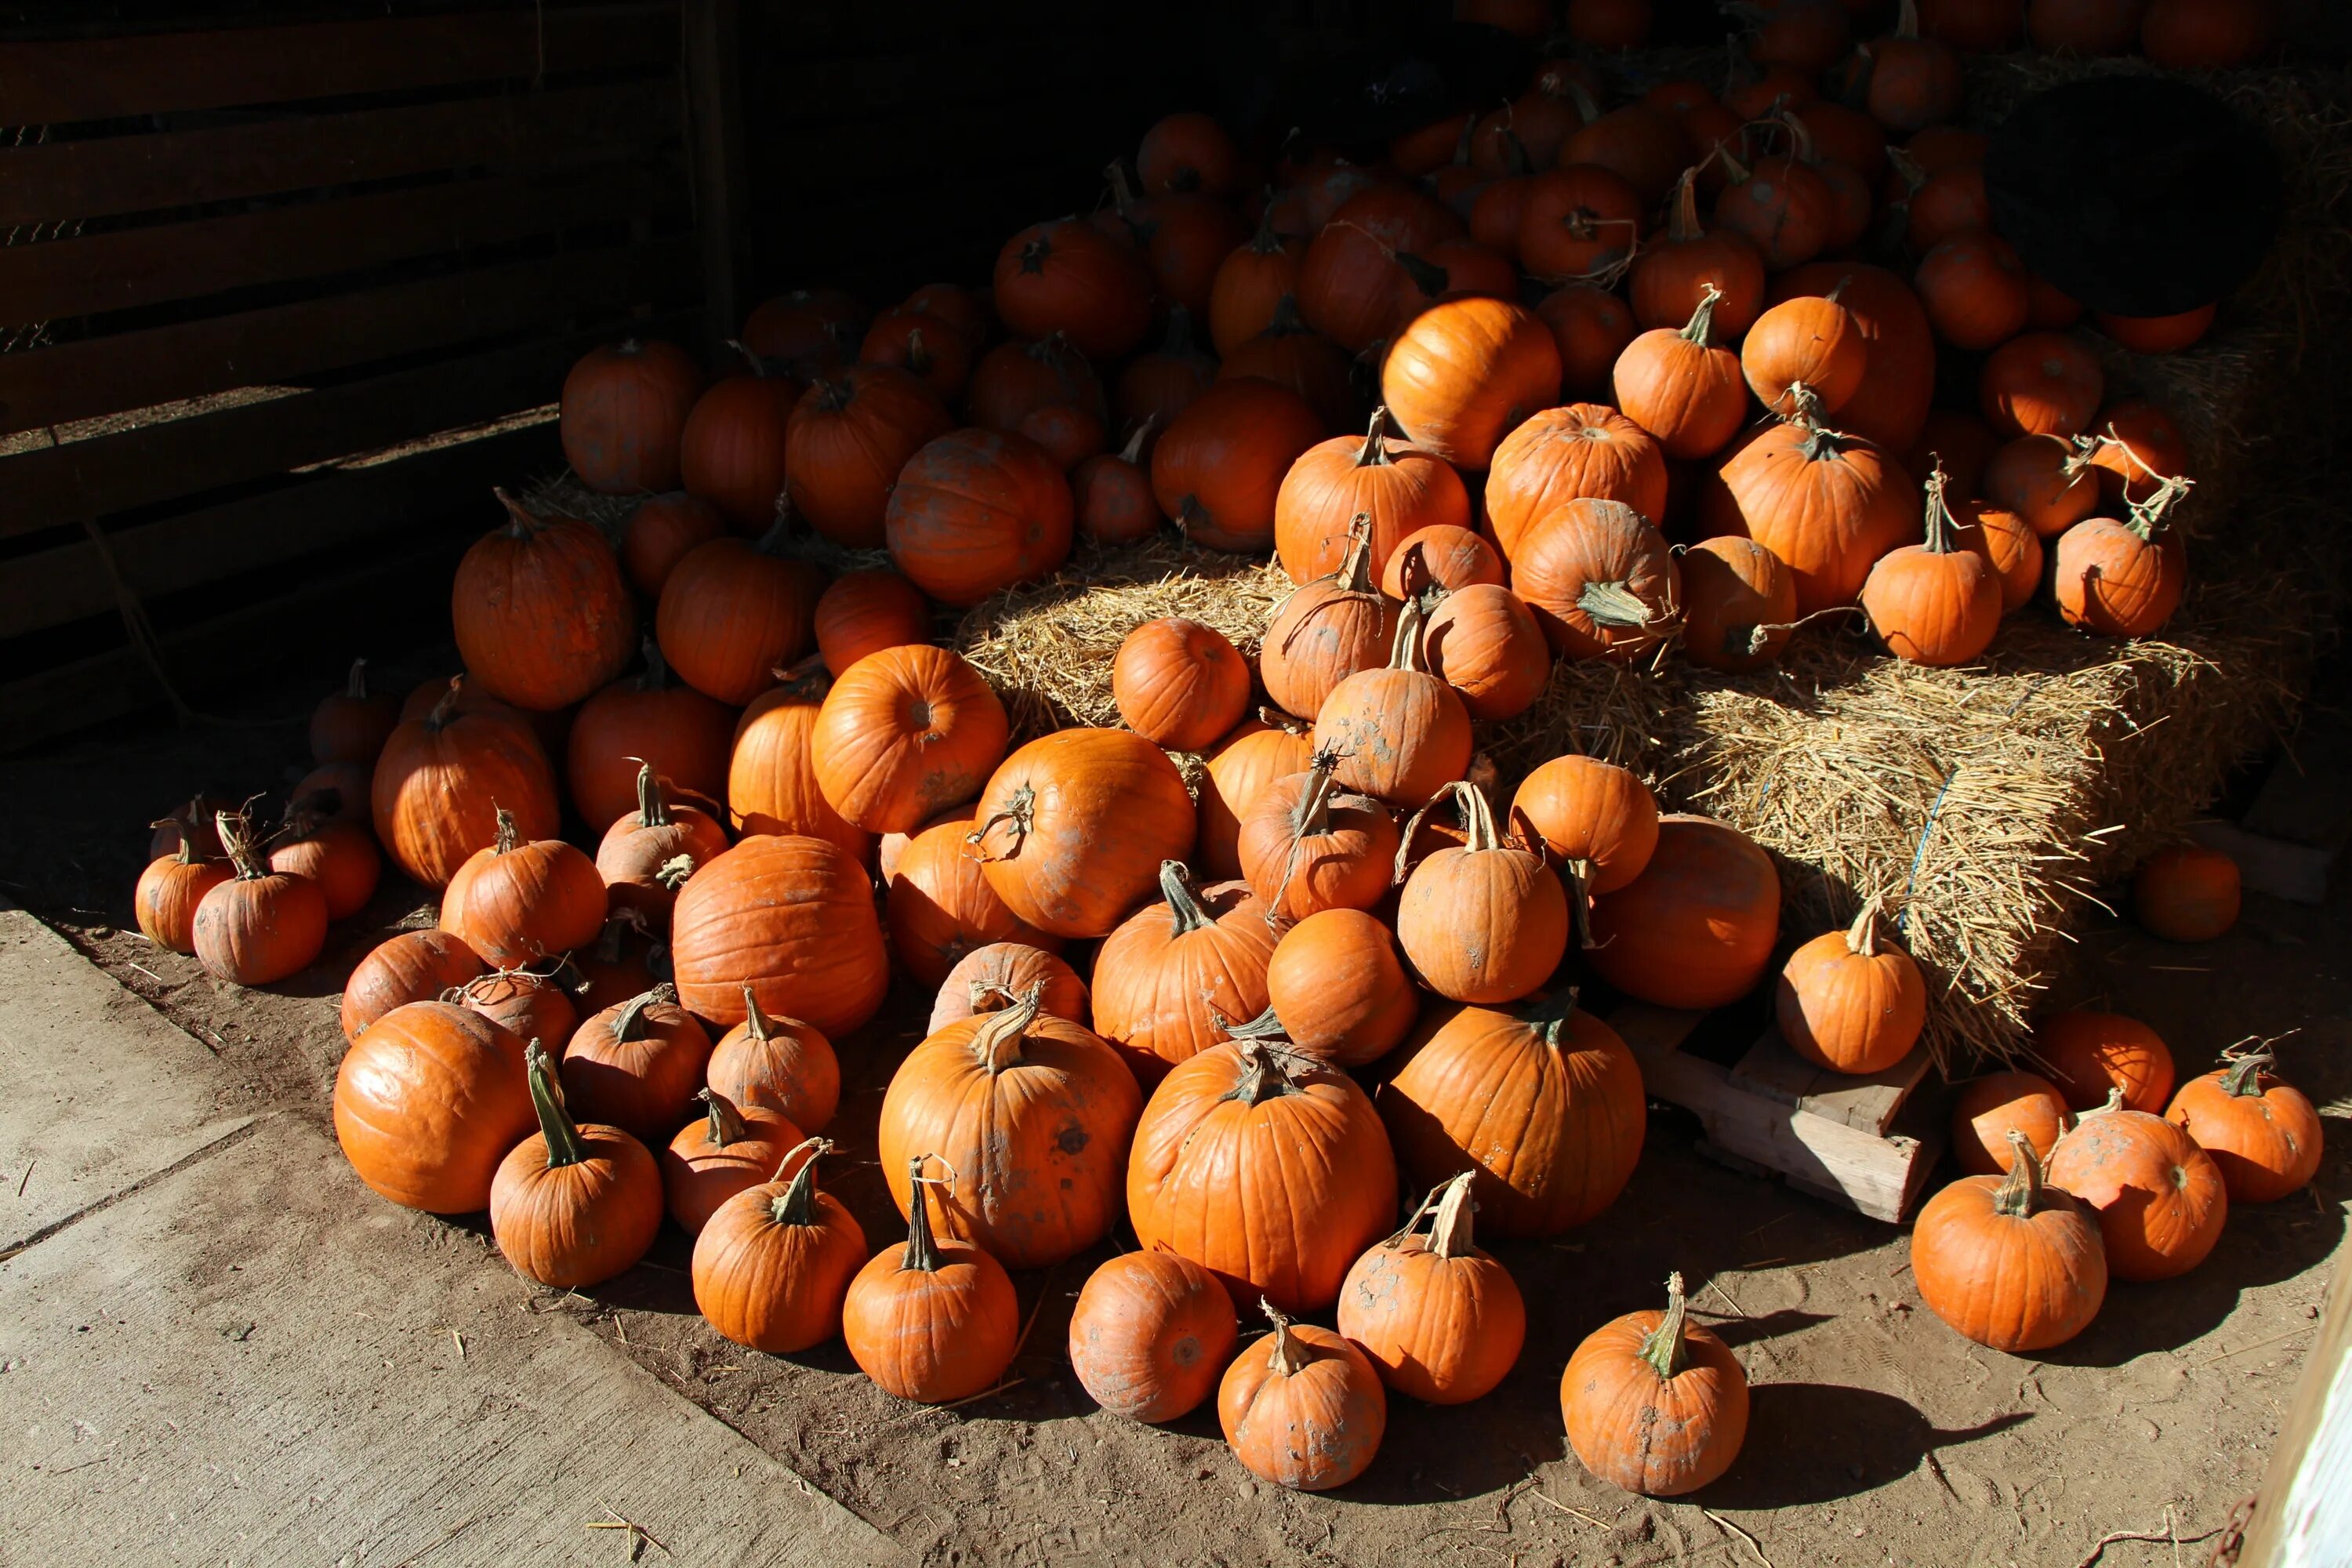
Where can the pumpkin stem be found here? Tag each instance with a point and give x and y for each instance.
(1907, 168)
(756, 1023)
(1615, 604)
(2115, 1103)
(1265, 241)
(922, 1253)
(2243, 1070)
(1547, 1013)
(1862, 937)
(652, 810)
(1661, 1347)
(1683, 223)
(1943, 528)
(1310, 818)
(996, 1044)
(797, 1204)
(1276, 718)
(2020, 1194)
(1405, 653)
(510, 838)
(1132, 453)
(673, 872)
(445, 710)
(1262, 1076)
(1737, 172)
(521, 522)
(2150, 517)
(1450, 1233)
(1374, 452)
(186, 853)
(237, 842)
(1576, 876)
(1178, 343)
(1265, 1027)
(631, 1023)
(1286, 321)
(564, 1145)
(919, 357)
(723, 1125)
(355, 684)
(1020, 813)
(1906, 20)
(808, 681)
(1287, 1359)
(1185, 908)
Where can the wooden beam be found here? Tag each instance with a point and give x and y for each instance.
(714, 138)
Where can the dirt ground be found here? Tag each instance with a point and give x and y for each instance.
(1878, 1435)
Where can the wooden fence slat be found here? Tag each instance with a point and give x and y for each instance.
(509, 134)
(285, 342)
(59, 81)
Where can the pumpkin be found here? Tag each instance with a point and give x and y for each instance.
(640, 721)
(905, 733)
(1308, 845)
(1985, 1111)
(572, 1205)
(961, 307)
(1683, 388)
(1828, 505)
(776, 1064)
(732, 453)
(2008, 545)
(1839, 134)
(940, 907)
(1973, 27)
(1033, 1113)
(1974, 288)
(1485, 642)
(1184, 236)
(935, 351)
(1805, 339)
(517, 899)
(864, 612)
(164, 902)
(1294, 356)
(2160, 1200)
(1073, 827)
(1014, 380)
(1188, 151)
(721, 1153)
(1782, 204)
(1580, 221)
(2139, 447)
(1937, 603)
(1845, 1004)
(935, 1321)
(2041, 383)
(1596, 817)
(1601, 581)
(1111, 494)
(258, 926)
(2261, 1132)
(1585, 452)
(1941, 206)
(992, 978)
(772, 1263)
(1399, 733)
(1250, 282)
(1695, 928)
(772, 786)
(2045, 480)
(1643, 145)
(1211, 1175)
(1329, 629)
(1439, 1319)
(1302, 1407)
(1348, 279)
(1590, 327)
(1160, 386)
(1179, 684)
(791, 918)
(2123, 579)
(1403, 489)
(1237, 768)
(543, 616)
(340, 857)
(1218, 466)
(1181, 969)
(1914, 81)
(1486, 922)
(1443, 556)
(619, 964)
(1739, 604)
(813, 330)
(846, 443)
(534, 1006)
(1898, 381)
(1498, 208)
(1151, 1334)
(733, 612)
(1070, 278)
(637, 1065)
(2186, 893)
(1654, 1404)
(1804, 36)
(2083, 26)
(409, 966)
(2088, 1054)
(976, 511)
(351, 725)
(648, 854)
(2052, 310)
(1670, 279)
(426, 1102)
(1336, 990)
(1467, 372)
(2207, 34)
(623, 410)
(2010, 1261)
(1759, 94)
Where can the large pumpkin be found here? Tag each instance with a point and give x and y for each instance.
(1889, 406)
(542, 613)
(1074, 826)
(904, 734)
(792, 919)
(1400, 489)
(1179, 970)
(771, 784)
(1695, 929)
(645, 720)
(734, 612)
(846, 443)
(623, 409)
(1465, 374)
(1585, 452)
(519, 900)
(443, 779)
(1070, 278)
(1600, 579)
(1828, 506)
(976, 511)
(1217, 468)
(428, 1101)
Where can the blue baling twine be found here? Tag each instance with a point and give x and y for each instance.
(1919, 856)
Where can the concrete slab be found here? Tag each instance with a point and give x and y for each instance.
(103, 1093)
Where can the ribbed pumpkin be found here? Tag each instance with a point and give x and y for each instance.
(442, 780)
(1330, 628)
(1580, 219)
(1033, 1113)
(1596, 817)
(1486, 922)
(732, 453)
(169, 890)
(1250, 282)
(1210, 1176)
(1845, 1004)
(519, 900)
(1739, 604)
(350, 725)
(1827, 505)
(624, 408)
(772, 1263)
(534, 1006)
(792, 919)
(637, 1065)
(1074, 826)
(648, 854)
(1014, 380)
(2088, 1054)
(1681, 387)
(1937, 603)
(1237, 770)
(940, 907)
(259, 925)
(1695, 928)
(338, 855)
(1000, 975)
(426, 1102)
(2262, 1133)
(1399, 733)
(776, 1064)
(2123, 579)
(1292, 354)
(1986, 1111)
(1155, 387)
(771, 784)
(2045, 480)
(1070, 278)
(2041, 383)
(573, 1204)
(1347, 281)
(1583, 451)
(2009, 546)
(1180, 684)
(1439, 1319)
(639, 721)
(1806, 339)
(1403, 489)
(1465, 374)
(864, 612)
(2139, 447)
(846, 443)
(408, 967)
(1308, 845)
(1671, 278)
(1302, 1407)
(2011, 1262)
(724, 1150)
(976, 511)
(934, 1320)
(1590, 327)
(2160, 1200)
(2186, 892)
(1150, 1335)
(1336, 990)
(935, 351)
(1218, 468)
(1601, 581)
(733, 612)
(1180, 970)
(904, 734)
(1780, 203)
(1898, 381)
(1485, 642)
(811, 330)
(1654, 1404)
(543, 616)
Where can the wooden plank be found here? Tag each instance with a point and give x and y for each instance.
(714, 128)
(129, 267)
(104, 474)
(509, 134)
(286, 342)
(2302, 1512)
(70, 582)
(58, 81)
(1868, 1101)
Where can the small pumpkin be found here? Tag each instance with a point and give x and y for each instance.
(1329, 629)
(1158, 386)
(2160, 1200)
(1898, 381)
(1780, 204)
(645, 856)
(846, 443)
(934, 1320)
(519, 900)
(1000, 975)
(1601, 581)
(428, 1101)
(1237, 770)
(542, 613)
(2083, 26)
(1111, 493)
(864, 612)
(1695, 929)
(2012, 1262)
(2041, 383)
(772, 787)
(2137, 448)
(734, 611)
(1399, 733)
(1445, 556)
(813, 330)
(1585, 452)
(776, 1064)
(2045, 480)
(1487, 644)
(2123, 579)
(2089, 1054)
(1466, 372)
(1302, 1407)
(940, 906)
(1914, 81)
(1219, 466)
(1337, 989)
(259, 926)
(351, 725)
(789, 916)
(408, 967)
(725, 1150)
(1937, 603)
(1070, 278)
(1985, 1111)
(2261, 1132)
(622, 411)
(1654, 1404)
(164, 902)
(644, 719)
(1073, 827)
(1598, 818)
(1739, 604)
(1683, 387)
(1845, 1004)
(1150, 1335)
(1250, 282)
(1294, 356)
(1178, 968)
(1015, 380)
(1308, 845)
(1806, 339)
(573, 1204)
(534, 1006)
(772, 1264)
(1581, 220)
(1440, 1320)
(933, 350)
(2009, 546)
(1486, 922)
(2186, 893)
(339, 856)
(1179, 684)
(976, 511)
(1401, 489)
(637, 1066)
(905, 733)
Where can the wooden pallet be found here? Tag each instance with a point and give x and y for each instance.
(1865, 1142)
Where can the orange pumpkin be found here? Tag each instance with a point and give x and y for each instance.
(340, 857)
(1937, 603)
(866, 612)
(1780, 203)
(811, 330)
(1151, 1334)
(1073, 827)
(1672, 277)
(1329, 629)
(518, 901)
(1179, 684)
(164, 902)
(1112, 494)
(1250, 282)
(1439, 1318)
(2186, 893)
(1590, 327)
(1898, 381)
(534, 1006)
(847, 441)
(259, 926)
(905, 733)
(1336, 990)
(623, 410)
(572, 1205)
(1403, 489)
(1486, 922)
(1739, 604)
(1465, 374)
(428, 1101)
(1985, 1111)
(776, 1064)
(1975, 289)
(1695, 929)
(2089, 1054)
(350, 725)
(935, 351)
(2009, 1261)
(2207, 34)
(1236, 772)
(1181, 969)
(2139, 447)
(2160, 1200)
(941, 908)
(1400, 733)
(2009, 546)
(2045, 480)
(1581, 220)
(1302, 1407)
(1601, 581)
(1015, 380)
(542, 613)
(1292, 354)
(637, 1066)
(728, 1150)
(2261, 1132)
(1827, 505)
(1000, 975)
(1598, 817)
(1485, 642)
(1683, 387)
(772, 786)
(735, 611)
(1846, 1004)
(1441, 556)
(732, 451)
(1219, 466)
(772, 1264)
(1308, 846)
(409, 966)
(2158, 334)
(646, 720)
(1654, 1404)
(1806, 339)
(2041, 383)
(1585, 452)
(2123, 579)
(935, 1321)
(1158, 386)
(976, 511)
(1068, 277)
(1347, 281)
(792, 919)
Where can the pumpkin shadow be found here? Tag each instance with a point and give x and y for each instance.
(1817, 1442)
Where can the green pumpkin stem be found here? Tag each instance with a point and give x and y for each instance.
(445, 709)
(722, 1123)
(564, 1144)
(1288, 1359)
(2152, 516)
(2242, 1069)
(186, 853)
(631, 1023)
(1265, 1027)
(2019, 1194)
(756, 1023)
(653, 811)
(922, 1253)
(1700, 327)
(797, 1204)
(1185, 908)
(1262, 1076)
(1661, 1347)
(1547, 1013)
(509, 837)
(996, 1043)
